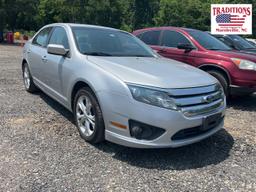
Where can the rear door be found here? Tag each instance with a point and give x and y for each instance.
(36, 55)
(151, 38)
(169, 41)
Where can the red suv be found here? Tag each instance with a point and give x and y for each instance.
(236, 71)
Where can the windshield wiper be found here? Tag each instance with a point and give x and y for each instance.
(97, 54)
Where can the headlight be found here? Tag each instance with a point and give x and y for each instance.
(244, 64)
(152, 97)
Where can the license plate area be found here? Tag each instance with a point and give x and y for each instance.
(211, 121)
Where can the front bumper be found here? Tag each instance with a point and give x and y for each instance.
(163, 142)
(244, 82)
(237, 90)
(121, 109)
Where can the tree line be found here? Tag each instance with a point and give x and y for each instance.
(128, 15)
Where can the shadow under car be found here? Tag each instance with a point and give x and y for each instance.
(210, 151)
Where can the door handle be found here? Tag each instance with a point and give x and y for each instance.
(44, 59)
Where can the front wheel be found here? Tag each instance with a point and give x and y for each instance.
(88, 116)
(223, 81)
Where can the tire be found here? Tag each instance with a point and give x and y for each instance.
(223, 81)
(84, 116)
(28, 80)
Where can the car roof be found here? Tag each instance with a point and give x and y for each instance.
(81, 25)
(218, 35)
(166, 28)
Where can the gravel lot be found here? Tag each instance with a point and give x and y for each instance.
(41, 150)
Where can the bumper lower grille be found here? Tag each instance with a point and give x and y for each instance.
(195, 131)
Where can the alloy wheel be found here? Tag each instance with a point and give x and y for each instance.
(85, 116)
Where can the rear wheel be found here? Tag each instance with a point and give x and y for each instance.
(28, 80)
(222, 79)
(88, 116)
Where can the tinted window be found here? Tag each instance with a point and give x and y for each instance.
(42, 37)
(226, 41)
(252, 43)
(243, 43)
(59, 37)
(107, 42)
(173, 39)
(150, 37)
(208, 41)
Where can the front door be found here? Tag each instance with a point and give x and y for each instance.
(170, 41)
(55, 64)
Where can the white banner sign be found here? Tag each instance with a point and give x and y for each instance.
(231, 19)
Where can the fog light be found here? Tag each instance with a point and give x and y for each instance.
(144, 131)
(136, 131)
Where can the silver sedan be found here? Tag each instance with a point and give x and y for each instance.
(119, 89)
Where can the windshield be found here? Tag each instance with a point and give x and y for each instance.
(108, 42)
(243, 43)
(208, 41)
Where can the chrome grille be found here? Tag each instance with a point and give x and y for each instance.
(198, 101)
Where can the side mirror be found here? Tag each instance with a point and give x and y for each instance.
(57, 49)
(187, 47)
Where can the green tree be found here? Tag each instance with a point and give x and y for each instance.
(27, 10)
(105, 12)
(100, 12)
(18, 14)
(173, 12)
(125, 14)
(2, 16)
(195, 13)
(49, 11)
(144, 12)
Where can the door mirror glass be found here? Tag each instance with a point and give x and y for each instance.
(57, 49)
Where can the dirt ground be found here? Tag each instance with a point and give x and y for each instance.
(41, 150)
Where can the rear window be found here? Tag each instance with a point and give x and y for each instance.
(150, 37)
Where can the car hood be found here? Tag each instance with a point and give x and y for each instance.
(156, 72)
(236, 54)
(249, 51)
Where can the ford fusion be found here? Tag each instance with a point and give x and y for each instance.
(120, 90)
